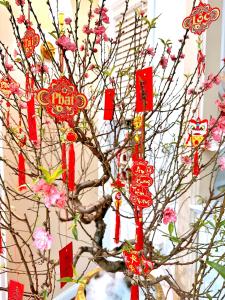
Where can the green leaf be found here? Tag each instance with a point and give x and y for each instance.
(171, 228)
(175, 239)
(4, 3)
(209, 297)
(45, 173)
(55, 174)
(53, 33)
(219, 268)
(45, 295)
(75, 232)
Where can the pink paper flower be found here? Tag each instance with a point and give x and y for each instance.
(221, 162)
(185, 159)
(42, 239)
(20, 2)
(169, 216)
(21, 19)
(163, 62)
(68, 21)
(65, 43)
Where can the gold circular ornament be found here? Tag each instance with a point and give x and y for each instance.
(47, 50)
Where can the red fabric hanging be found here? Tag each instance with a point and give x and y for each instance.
(21, 172)
(196, 168)
(144, 90)
(31, 119)
(71, 168)
(201, 62)
(117, 225)
(109, 104)
(134, 292)
(139, 230)
(64, 162)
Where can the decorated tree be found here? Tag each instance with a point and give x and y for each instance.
(84, 137)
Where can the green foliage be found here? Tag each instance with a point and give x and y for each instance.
(74, 226)
(5, 3)
(48, 177)
(219, 268)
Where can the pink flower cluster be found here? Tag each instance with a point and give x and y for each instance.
(66, 44)
(20, 2)
(210, 81)
(163, 62)
(102, 11)
(218, 128)
(169, 216)
(40, 68)
(52, 197)
(42, 239)
(15, 89)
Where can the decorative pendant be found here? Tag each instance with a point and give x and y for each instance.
(30, 41)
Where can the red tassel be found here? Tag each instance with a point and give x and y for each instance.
(134, 292)
(32, 126)
(196, 168)
(21, 172)
(117, 225)
(139, 231)
(64, 162)
(71, 169)
(109, 104)
(201, 62)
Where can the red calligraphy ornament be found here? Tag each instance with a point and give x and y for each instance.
(140, 195)
(62, 100)
(137, 263)
(15, 290)
(144, 90)
(198, 130)
(201, 18)
(66, 262)
(30, 41)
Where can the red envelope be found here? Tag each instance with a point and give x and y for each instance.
(15, 291)
(144, 90)
(66, 262)
(109, 104)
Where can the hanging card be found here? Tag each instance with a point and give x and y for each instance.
(15, 291)
(144, 90)
(109, 104)
(66, 262)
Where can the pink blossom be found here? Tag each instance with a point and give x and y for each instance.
(221, 162)
(100, 30)
(22, 104)
(105, 37)
(41, 68)
(68, 21)
(15, 89)
(100, 10)
(91, 67)
(191, 91)
(20, 2)
(142, 13)
(185, 159)
(65, 43)
(42, 239)
(98, 40)
(82, 48)
(9, 67)
(21, 19)
(86, 29)
(163, 62)
(220, 105)
(105, 19)
(182, 55)
(173, 57)
(15, 53)
(39, 186)
(169, 216)
(86, 75)
(150, 51)
(168, 50)
(60, 203)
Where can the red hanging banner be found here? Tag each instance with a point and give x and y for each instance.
(30, 41)
(144, 90)
(62, 100)
(140, 195)
(66, 262)
(201, 18)
(15, 290)
(109, 104)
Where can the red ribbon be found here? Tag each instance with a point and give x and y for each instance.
(134, 292)
(21, 172)
(71, 169)
(196, 168)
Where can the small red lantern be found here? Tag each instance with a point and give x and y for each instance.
(30, 41)
(62, 100)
